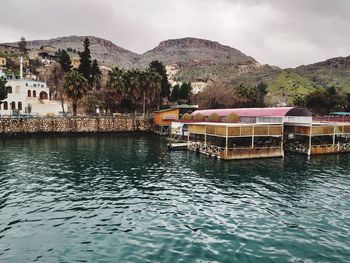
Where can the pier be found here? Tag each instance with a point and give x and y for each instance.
(317, 137)
(262, 136)
(231, 141)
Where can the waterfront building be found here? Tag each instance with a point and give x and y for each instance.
(162, 119)
(28, 97)
(231, 141)
(263, 132)
(253, 115)
(315, 137)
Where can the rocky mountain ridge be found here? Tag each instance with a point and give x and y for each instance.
(184, 52)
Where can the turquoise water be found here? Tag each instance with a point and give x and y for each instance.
(126, 199)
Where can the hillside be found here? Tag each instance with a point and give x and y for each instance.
(106, 52)
(187, 52)
(196, 59)
(200, 60)
(191, 59)
(334, 72)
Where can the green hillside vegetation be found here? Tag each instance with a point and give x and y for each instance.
(288, 84)
(329, 77)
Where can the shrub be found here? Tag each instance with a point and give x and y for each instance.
(214, 117)
(198, 117)
(232, 118)
(186, 117)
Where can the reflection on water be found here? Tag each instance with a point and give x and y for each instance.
(125, 198)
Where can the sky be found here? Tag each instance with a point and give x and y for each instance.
(285, 33)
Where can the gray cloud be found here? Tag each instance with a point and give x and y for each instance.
(283, 33)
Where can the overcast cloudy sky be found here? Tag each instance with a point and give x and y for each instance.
(279, 32)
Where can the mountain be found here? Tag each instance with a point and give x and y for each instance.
(193, 59)
(103, 50)
(189, 52)
(199, 61)
(188, 59)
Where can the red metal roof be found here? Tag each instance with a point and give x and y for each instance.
(248, 112)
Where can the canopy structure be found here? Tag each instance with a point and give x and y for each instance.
(257, 112)
(340, 113)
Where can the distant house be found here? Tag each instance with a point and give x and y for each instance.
(48, 48)
(2, 62)
(9, 50)
(75, 62)
(47, 58)
(34, 53)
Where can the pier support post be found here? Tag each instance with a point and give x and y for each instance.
(226, 148)
(310, 141)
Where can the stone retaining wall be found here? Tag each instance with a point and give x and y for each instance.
(18, 126)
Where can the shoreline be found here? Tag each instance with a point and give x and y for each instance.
(73, 134)
(72, 126)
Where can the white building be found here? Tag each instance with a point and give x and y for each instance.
(29, 97)
(24, 94)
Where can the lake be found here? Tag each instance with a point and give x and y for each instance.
(125, 198)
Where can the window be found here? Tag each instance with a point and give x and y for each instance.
(42, 85)
(26, 84)
(19, 105)
(34, 93)
(6, 106)
(9, 89)
(29, 93)
(43, 95)
(13, 105)
(34, 85)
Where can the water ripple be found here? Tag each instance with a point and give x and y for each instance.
(124, 198)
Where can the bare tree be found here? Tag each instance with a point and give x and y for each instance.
(216, 95)
(55, 82)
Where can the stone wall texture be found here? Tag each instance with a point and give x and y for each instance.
(18, 126)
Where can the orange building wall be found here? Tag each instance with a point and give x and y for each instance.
(160, 117)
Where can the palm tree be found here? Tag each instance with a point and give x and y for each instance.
(115, 80)
(154, 90)
(76, 86)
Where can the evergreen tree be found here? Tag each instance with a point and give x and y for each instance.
(64, 60)
(96, 75)
(175, 93)
(185, 92)
(85, 61)
(165, 85)
(3, 90)
(22, 44)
